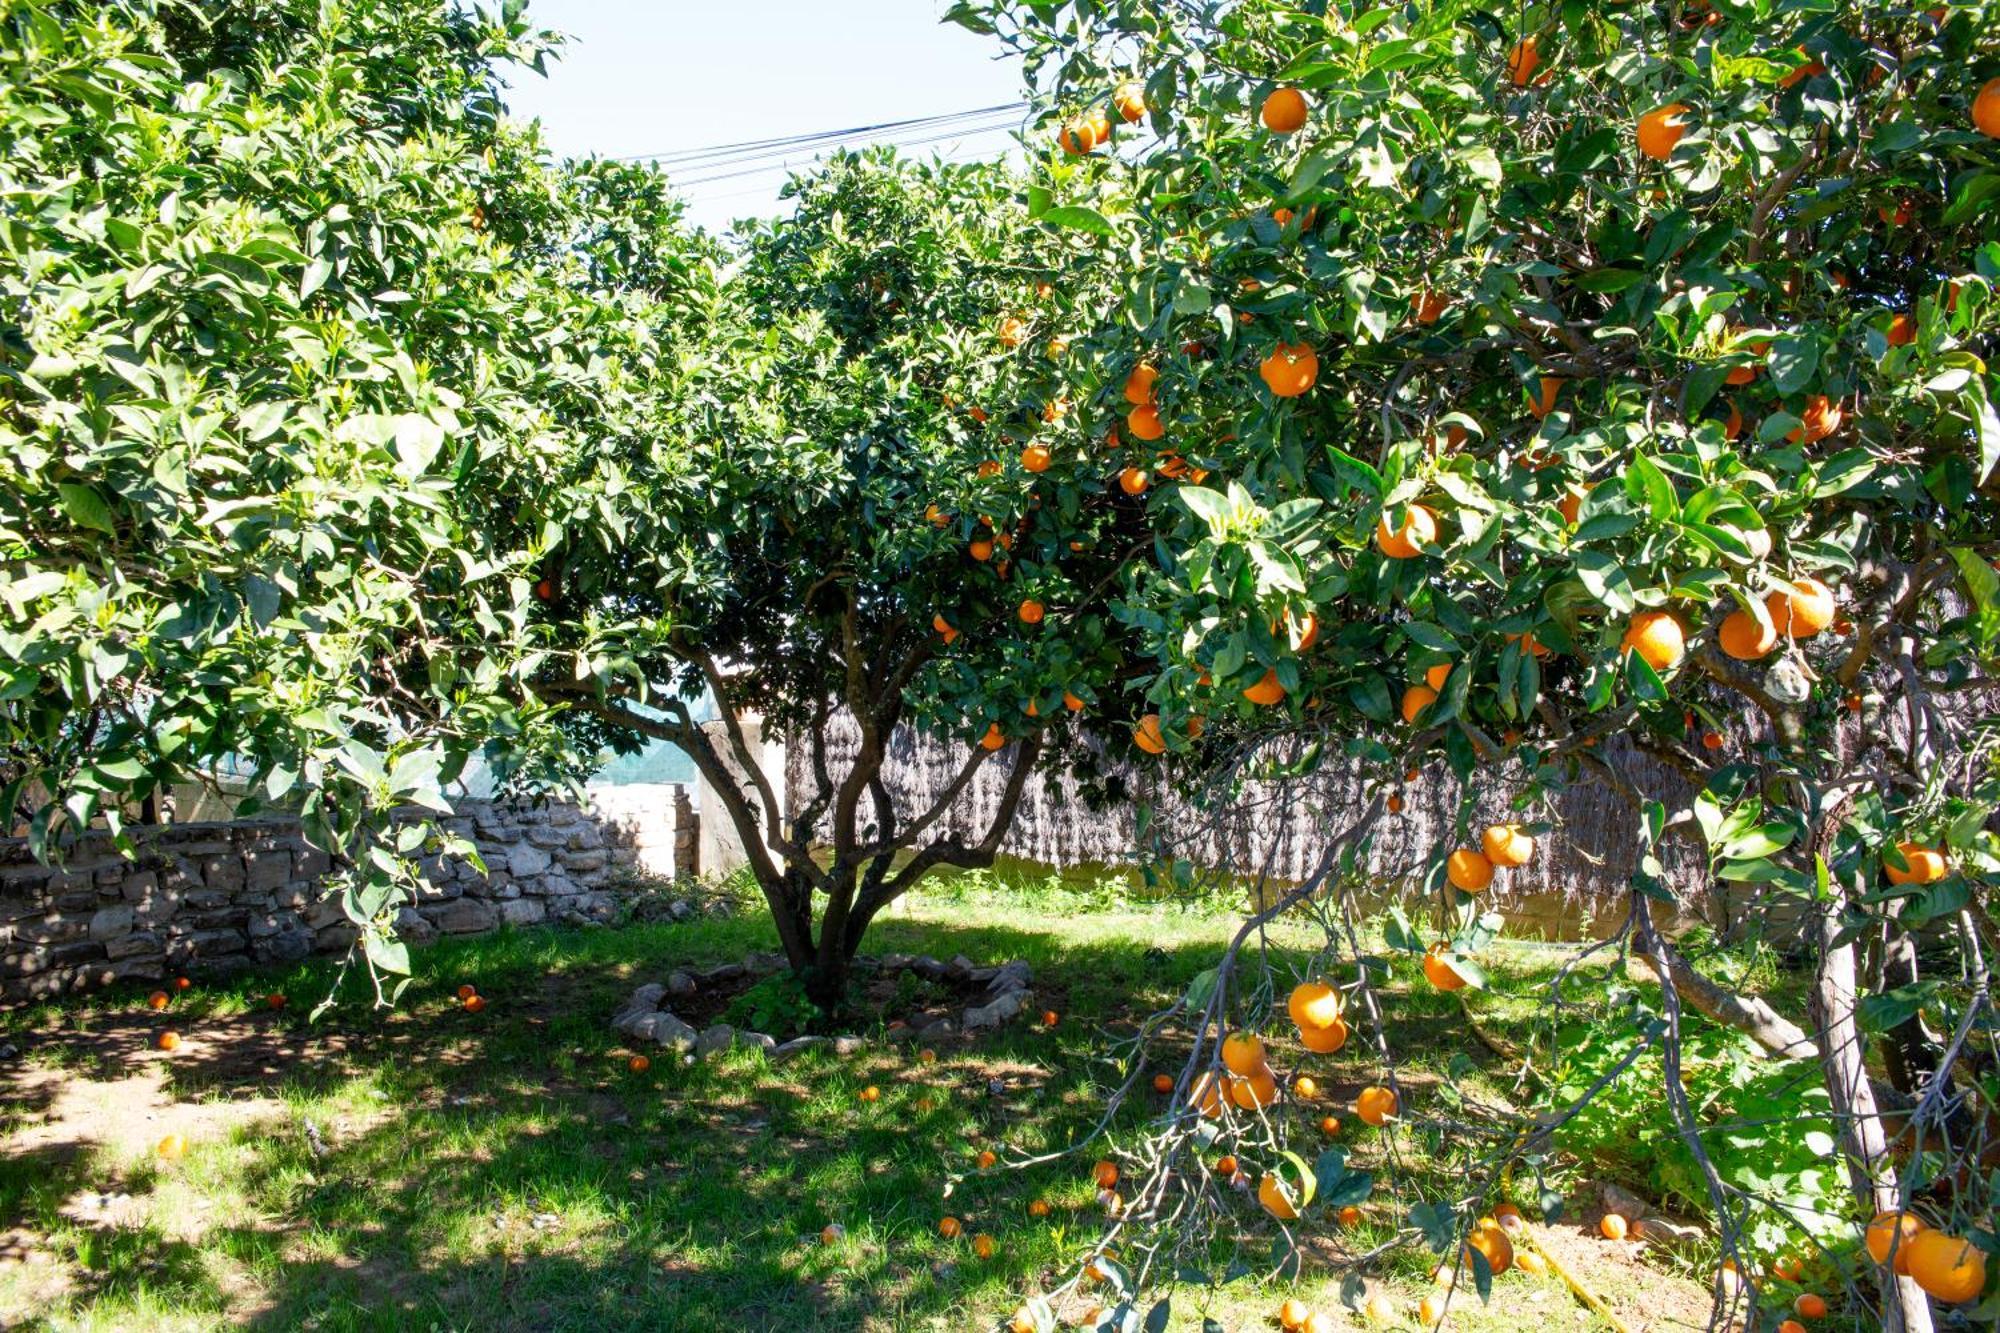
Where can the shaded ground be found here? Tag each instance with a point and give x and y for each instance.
(432, 1167)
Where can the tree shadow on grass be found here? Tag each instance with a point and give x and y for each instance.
(504, 1170)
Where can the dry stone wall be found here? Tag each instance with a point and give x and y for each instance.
(219, 897)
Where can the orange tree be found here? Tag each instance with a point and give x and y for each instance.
(1603, 387)
(886, 514)
(296, 325)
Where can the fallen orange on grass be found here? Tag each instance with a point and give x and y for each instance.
(157, 1000)
(1375, 1105)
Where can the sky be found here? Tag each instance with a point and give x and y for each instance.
(646, 77)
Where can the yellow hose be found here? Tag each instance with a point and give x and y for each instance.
(1583, 1293)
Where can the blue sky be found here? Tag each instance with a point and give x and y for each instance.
(661, 76)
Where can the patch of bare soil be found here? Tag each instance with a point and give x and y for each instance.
(1640, 1295)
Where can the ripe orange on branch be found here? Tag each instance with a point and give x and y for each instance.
(1314, 1004)
(1419, 529)
(1468, 870)
(1660, 129)
(1284, 111)
(1657, 637)
(1508, 845)
(1921, 865)
(1290, 370)
(1802, 609)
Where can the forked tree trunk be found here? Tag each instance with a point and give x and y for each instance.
(1843, 1057)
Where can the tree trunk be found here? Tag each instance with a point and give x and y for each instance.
(1746, 1013)
(1843, 1058)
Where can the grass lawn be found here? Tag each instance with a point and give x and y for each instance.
(432, 1168)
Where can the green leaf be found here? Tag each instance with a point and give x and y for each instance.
(85, 507)
(1078, 218)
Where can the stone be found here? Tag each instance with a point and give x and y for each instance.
(1016, 975)
(764, 964)
(292, 944)
(581, 863)
(999, 1010)
(267, 868)
(848, 1045)
(669, 1030)
(222, 874)
(523, 911)
(681, 910)
(644, 1000)
(714, 1040)
(758, 1041)
(786, 1050)
(139, 885)
(526, 860)
(681, 983)
(959, 967)
(894, 962)
(721, 972)
(928, 967)
(108, 922)
(463, 916)
(132, 946)
(412, 927)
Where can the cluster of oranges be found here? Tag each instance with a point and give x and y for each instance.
(470, 998)
(1949, 1268)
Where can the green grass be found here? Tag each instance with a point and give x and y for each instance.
(506, 1171)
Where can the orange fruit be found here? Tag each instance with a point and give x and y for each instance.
(831, 1233)
(1530, 1262)
(871, 1093)
(1267, 690)
(1902, 331)
(1303, 1086)
(1468, 870)
(1733, 427)
(1278, 1198)
(1023, 1321)
(475, 1004)
(1319, 1321)
(1293, 1313)
(1430, 1310)
(1791, 1326)
(1437, 968)
(1821, 418)
(1130, 99)
(1139, 385)
(1036, 458)
(157, 1000)
(1521, 63)
(1326, 1040)
(1163, 1083)
(1948, 1268)
(1899, 215)
(171, 1148)
(274, 1001)
(1013, 329)
(1290, 369)
(950, 1227)
(1379, 1308)
(1508, 1217)
(467, 991)
(1210, 1093)
(1144, 423)
(169, 1041)
(1243, 1054)
(1436, 676)
(1491, 1242)
(1788, 1267)
(1329, 1124)
(1133, 480)
(1660, 129)
(1284, 111)
(1428, 306)
(1924, 866)
(1799, 73)
(1031, 611)
(1801, 610)
(1418, 531)
(986, 1158)
(1711, 740)
(1104, 1174)
(938, 623)
(1613, 1227)
(1545, 400)
(1147, 735)
(1225, 1166)
(1415, 700)
(981, 550)
(1657, 637)
(1893, 1230)
(1374, 1105)
(1314, 1004)
(1508, 845)
(1529, 644)
(1038, 1208)
(994, 738)
(1255, 1091)
(1744, 637)
(1303, 634)
(1986, 109)
(983, 1246)
(182, 983)
(1809, 1305)
(638, 1064)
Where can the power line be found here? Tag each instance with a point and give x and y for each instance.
(791, 153)
(687, 156)
(785, 165)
